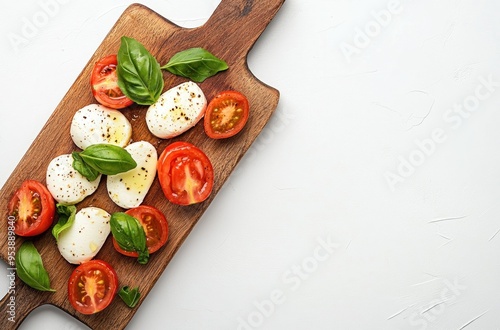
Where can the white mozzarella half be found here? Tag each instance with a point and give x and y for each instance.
(128, 189)
(176, 111)
(66, 185)
(95, 124)
(83, 240)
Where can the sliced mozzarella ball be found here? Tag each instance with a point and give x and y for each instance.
(128, 189)
(176, 111)
(81, 242)
(66, 185)
(95, 124)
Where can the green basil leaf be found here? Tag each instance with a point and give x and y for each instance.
(139, 74)
(81, 167)
(30, 268)
(196, 64)
(66, 215)
(108, 159)
(129, 296)
(129, 234)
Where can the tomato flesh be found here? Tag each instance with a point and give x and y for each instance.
(185, 174)
(226, 115)
(104, 81)
(155, 226)
(189, 177)
(92, 286)
(32, 208)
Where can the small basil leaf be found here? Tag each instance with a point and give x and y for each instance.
(81, 167)
(108, 159)
(30, 268)
(196, 64)
(66, 215)
(129, 296)
(139, 74)
(129, 234)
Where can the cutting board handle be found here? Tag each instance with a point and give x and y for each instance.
(241, 22)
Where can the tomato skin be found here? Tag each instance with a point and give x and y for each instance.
(33, 208)
(84, 280)
(155, 226)
(104, 82)
(226, 115)
(185, 173)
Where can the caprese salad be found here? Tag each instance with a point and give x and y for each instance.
(102, 135)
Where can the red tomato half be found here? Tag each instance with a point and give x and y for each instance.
(186, 174)
(226, 115)
(32, 208)
(92, 286)
(155, 226)
(104, 81)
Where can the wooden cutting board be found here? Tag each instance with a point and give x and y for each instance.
(229, 34)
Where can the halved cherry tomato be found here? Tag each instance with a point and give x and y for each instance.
(32, 208)
(186, 174)
(226, 115)
(92, 286)
(104, 81)
(155, 226)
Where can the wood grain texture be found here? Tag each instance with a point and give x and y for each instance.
(230, 34)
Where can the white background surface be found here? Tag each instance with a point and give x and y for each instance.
(418, 253)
